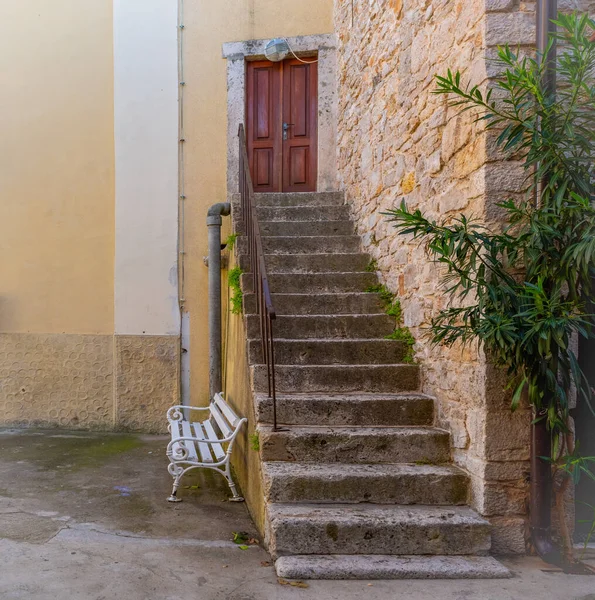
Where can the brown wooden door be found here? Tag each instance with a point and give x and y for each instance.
(281, 125)
(263, 125)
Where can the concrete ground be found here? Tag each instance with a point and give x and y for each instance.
(84, 516)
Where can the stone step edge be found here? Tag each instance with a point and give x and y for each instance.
(350, 396)
(268, 428)
(329, 317)
(424, 469)
(378, 567)
(309, 237)
(333, 340)
(292, 294)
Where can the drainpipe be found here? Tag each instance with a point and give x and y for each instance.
(214, 222)
(541, 446)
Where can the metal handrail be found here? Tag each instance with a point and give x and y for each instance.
(255, 257)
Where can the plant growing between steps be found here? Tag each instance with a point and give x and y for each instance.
(372, 267)
(523, 292)
(230, 242)
(237, 298)
(392, 306)
(255, 441)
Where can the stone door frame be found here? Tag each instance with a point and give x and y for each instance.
(325, 46)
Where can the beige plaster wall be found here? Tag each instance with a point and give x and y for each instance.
(60, 362)
(57, 167)
(238, 392)
(207, 25)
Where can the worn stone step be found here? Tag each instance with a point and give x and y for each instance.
(303, 213)
(312, 244)
(309, 244)
(332, 352)
(348, 410)
(364, 445)
(353, 483)
(314, 283)
(311, 263)
(300, 199)
(358, 303)
(297, 228)
(295, 327)
(338, 379)
(373, 567)
(376, 529)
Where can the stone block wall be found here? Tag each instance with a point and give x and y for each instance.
(397, 140)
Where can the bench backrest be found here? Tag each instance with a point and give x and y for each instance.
(226, 419)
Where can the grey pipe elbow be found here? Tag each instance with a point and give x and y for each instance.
(215, 212)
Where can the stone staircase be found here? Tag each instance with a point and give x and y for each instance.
(359, 484)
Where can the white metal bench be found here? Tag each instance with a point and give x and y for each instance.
(202, 444)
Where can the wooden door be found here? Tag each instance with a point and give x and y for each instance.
(300, 106)
(264, 125)
(281, 125)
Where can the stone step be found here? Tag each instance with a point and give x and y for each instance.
(312, 244)
(338, 379)
(314, 283)
(352, 483)
(294, 327)
(373, 567)
(303, 213)
(358, 303)
(300, 199)
(312, 263)
(363, 445)
(297, 228)
(309, 244)
(376, 529)
(331, 352)
(348, 410)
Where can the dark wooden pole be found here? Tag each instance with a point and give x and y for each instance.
(541, 445)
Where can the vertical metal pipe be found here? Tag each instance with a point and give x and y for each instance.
(214, 222)
(547, 10)
(541, 445)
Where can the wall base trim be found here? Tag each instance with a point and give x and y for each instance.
(76, 381)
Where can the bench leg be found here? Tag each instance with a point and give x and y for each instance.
(177, 473)
(232, 486)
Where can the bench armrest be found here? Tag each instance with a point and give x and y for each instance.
(174, 413)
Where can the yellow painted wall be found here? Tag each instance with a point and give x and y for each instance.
(56, 167)
(208, 25)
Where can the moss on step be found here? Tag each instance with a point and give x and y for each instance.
(372, 267)
(392, 306)
(402, 334)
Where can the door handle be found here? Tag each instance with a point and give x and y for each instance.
(286, 127)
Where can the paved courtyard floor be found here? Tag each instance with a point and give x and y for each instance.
(84, 516)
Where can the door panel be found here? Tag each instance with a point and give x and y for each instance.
(263, 168)
(263, 124)
(281, 125)
(299, 165)
(300, 108)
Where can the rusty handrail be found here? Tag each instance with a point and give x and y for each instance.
(261, 289)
